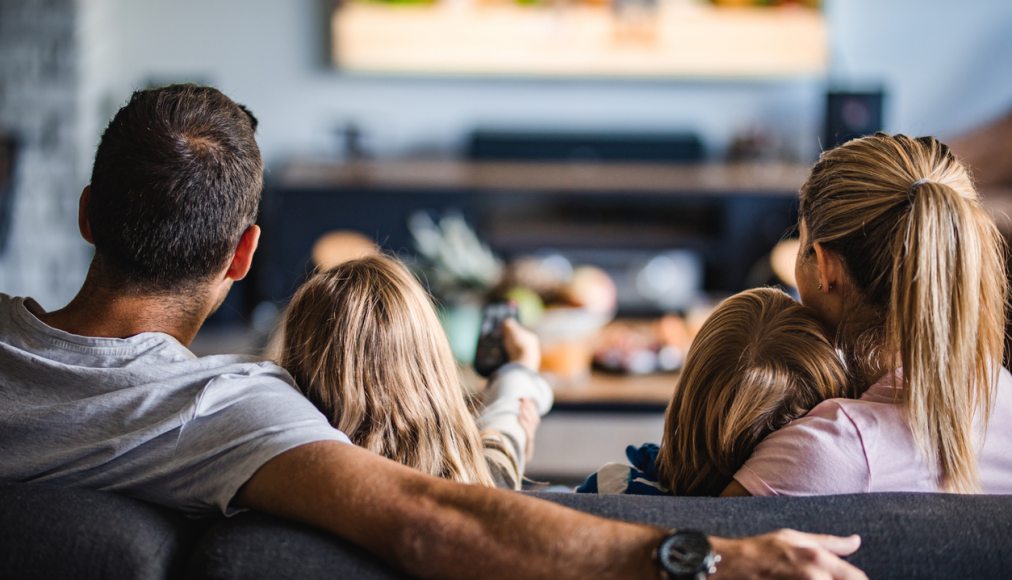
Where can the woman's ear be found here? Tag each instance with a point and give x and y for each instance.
(831, 271)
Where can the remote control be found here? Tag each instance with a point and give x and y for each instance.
(491, 351)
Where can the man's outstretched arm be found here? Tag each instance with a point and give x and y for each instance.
(432, 527)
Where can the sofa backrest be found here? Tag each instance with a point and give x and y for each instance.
(48, 532)
(51, 532)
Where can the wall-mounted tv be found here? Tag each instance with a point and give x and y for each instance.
(581, 38)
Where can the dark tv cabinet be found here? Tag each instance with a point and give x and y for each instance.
(732, 215)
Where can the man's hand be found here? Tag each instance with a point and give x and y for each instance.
(787, 554)
(522, 345)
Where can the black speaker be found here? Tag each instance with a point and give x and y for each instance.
(850, 115)
(8, 155)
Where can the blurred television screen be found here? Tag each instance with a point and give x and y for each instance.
(588, 38)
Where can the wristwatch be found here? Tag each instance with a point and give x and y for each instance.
(686, 555)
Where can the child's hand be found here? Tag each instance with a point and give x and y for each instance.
(529, 420)
(522, 345)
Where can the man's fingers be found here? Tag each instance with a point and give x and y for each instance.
(824, 551)
(787, 554)
(840, 570)
(841, 546)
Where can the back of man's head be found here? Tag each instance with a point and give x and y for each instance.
(177, 180)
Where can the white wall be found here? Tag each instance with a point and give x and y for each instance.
(942, 63)
(945, 65)
(39, 82)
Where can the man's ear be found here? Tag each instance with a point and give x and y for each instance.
(82, 215)
(831, 269)
(243, 257)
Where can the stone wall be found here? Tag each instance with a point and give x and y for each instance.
(39, 103)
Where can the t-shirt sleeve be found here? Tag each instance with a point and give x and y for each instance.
(819, 454)
(237, 423)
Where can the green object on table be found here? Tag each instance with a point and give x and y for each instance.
(462, 324)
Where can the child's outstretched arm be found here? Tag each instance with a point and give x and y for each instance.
(515, 382)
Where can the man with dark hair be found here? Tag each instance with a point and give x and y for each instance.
(103, 393)
(189, 154)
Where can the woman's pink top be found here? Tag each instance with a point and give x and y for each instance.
(865, 445)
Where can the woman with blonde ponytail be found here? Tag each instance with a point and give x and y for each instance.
(363, 343)
(906, 269)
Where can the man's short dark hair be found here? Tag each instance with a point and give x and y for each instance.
(177, 180)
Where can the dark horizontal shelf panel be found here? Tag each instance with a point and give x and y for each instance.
(766, 179)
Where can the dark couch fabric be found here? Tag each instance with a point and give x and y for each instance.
(61, 533)
(257, 546)
(905, 535)
(49, 532)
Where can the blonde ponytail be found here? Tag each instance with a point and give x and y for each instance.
(929, 262)
(935, 325)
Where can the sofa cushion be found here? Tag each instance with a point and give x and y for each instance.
(51, 532)
(908, 535)
(254, 545)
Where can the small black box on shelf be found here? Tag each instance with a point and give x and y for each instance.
(851, 114)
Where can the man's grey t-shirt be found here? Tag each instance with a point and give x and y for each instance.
(141, 415)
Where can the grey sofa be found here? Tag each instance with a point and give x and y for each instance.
(48, 532)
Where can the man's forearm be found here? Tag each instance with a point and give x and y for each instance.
(432, 527)
(505, 534)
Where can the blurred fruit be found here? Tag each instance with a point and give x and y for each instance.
(567, 363)
(337, 247)
(591, 288)
(529, 304)
(642, 347)
(545, 276)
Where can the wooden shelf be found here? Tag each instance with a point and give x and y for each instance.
(604, 390)
(583, 178)
(611, 389)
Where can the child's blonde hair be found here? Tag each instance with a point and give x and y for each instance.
(759, 361)
(363, 342)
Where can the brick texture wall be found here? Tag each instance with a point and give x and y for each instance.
(39, 104)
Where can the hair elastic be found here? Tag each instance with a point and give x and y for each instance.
(916, 184)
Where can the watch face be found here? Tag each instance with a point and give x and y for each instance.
(686, 554)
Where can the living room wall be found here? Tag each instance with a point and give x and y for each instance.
(942, 63)
(39, 88)
(939, 62)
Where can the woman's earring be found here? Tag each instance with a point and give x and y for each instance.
(820, 286)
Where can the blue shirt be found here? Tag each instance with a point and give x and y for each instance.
(637, 478)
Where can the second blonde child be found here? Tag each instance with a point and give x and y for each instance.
(759, 361)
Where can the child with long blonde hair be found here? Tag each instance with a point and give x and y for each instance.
(759, 361)
(363, 343)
